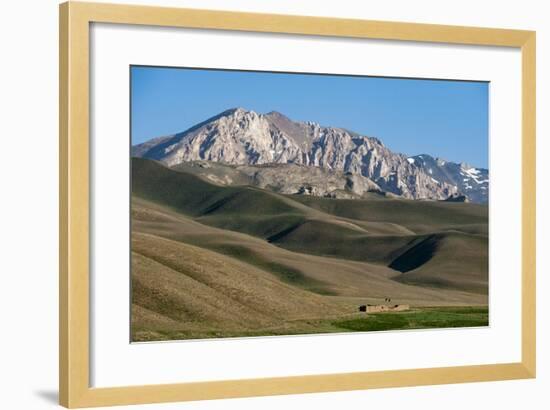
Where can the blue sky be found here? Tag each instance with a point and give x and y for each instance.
(447, 119)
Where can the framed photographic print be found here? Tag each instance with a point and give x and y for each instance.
(260, 204)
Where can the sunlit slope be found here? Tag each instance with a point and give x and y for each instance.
(182, 288)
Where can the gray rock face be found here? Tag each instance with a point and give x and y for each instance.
(241, 137)
(284, 178)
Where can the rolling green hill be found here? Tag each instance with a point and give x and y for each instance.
(383, 230)
(418, 216)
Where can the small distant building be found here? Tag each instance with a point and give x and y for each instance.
(383, 308)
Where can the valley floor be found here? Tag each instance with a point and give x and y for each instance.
(416, 318)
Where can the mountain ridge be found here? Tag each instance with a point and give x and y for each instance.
(241, 137)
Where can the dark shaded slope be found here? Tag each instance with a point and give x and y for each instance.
(417, 255)
(193, 196)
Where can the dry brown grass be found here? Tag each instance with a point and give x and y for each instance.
(180, 287)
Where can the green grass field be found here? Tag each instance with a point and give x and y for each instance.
(419, 318)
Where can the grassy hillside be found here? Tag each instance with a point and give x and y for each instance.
(317, 274)
(418, 216)
(215, 261)
(182, 291)
(194, 291)
(439, 261)
(381, 231)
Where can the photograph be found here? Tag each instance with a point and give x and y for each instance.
(283, 203)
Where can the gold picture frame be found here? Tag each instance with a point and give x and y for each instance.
(75, 19)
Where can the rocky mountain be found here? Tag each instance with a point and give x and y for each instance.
(472, 182)
(284, 178)
(241, 137)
